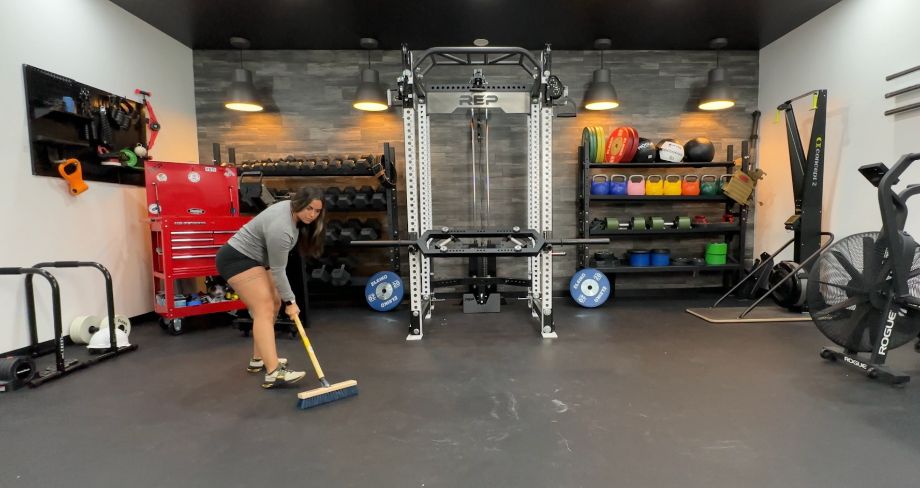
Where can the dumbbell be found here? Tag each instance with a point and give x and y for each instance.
(636, 223)
(330, 196)
(322, 164)
(349, 163)
(333, 231)
(346, 199)
(350, 231)
(335, 164)
(340, 276)
(321, 274)
(370, 231)
(379, 199)
(363, 198)
(658, 223)
(364, 163)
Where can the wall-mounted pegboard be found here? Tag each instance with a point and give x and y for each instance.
(69, 119)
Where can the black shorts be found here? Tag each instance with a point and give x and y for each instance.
(231, 262)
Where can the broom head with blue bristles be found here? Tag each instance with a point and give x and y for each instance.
(327, 394)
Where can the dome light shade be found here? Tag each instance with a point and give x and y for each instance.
(242, 93)
(717, 94)
(370, 96)
(601, 95)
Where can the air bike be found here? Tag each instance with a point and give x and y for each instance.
(864, 292)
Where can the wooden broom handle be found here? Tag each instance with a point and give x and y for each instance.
(309, 348)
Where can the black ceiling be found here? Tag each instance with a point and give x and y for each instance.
(566, 24)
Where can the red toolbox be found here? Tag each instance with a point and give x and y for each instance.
(193, 210)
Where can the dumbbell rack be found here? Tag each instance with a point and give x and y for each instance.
(390, 227)
(584, 200)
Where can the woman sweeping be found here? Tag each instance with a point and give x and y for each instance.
(253, 262)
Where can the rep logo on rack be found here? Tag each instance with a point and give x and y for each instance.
(478, 100)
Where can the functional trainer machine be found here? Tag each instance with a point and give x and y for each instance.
(534, 98)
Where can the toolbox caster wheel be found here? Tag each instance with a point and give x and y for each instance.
(163, 325)
(173, 326)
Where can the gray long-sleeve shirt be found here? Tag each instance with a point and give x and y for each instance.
(268, 238)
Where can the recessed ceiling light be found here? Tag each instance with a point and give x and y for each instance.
(480, 42)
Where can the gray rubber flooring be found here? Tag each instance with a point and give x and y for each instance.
(636, 394)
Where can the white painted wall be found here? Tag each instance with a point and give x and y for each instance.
(848, 49)
(99, 44)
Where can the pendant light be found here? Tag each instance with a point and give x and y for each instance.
(717, 95)
(242, 95)
(371, 95)
(601, 95)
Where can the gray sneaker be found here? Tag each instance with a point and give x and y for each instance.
(256, 365)
(282, 376)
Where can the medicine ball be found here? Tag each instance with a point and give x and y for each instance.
(670, 150)
(699, 150)
(645, 152)
(658, 148)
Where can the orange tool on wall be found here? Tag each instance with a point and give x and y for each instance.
(72, 173)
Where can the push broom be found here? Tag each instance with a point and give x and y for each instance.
(326, 393)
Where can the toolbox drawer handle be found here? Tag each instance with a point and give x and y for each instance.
(195, 256)
(191, 240)
(176, 248)
(187, 232)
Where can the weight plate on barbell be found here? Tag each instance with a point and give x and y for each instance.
(589, 288)
(384, 291)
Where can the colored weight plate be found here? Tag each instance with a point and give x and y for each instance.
(599, 147)
(601, 140)
(592, 141)
(589, 288)
(83, 327)
(384, 291)
(613, 223)
(633, 144)
(617, 144)
(586, 143)
(683, 223)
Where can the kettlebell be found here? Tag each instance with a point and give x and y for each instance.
(709, 185)
(617, 184)
(672, 185)
(690, 185)
(599, 187)
(636, 185)
(654, 185)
